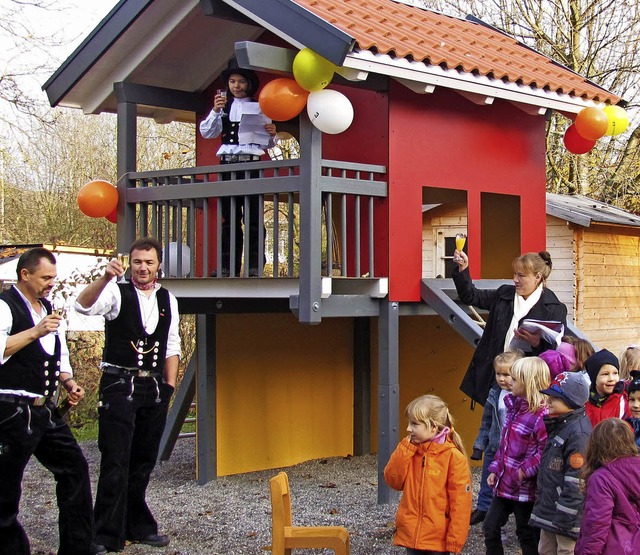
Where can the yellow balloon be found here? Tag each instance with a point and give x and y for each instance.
(618, 120)
(311, 71)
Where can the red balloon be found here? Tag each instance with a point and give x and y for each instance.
(591, 123)
(97, 199)
(113, 216)
(282, 99)
(575, 143)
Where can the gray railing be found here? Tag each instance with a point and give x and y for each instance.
(182, 207)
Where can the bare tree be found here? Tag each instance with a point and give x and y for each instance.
(598, 39)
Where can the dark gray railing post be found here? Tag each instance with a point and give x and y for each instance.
(126, 152)
(388, 393)
(310, 223)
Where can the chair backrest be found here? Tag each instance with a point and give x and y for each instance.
(280, 508)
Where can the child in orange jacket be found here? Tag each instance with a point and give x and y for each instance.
(430, 467)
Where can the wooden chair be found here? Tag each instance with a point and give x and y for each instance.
(286, 537)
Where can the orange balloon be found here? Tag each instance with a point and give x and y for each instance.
(282, 99)
(113, 216)
(97, 199)
(591, 123)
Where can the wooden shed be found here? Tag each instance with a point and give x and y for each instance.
(596, 252)
(448, 112)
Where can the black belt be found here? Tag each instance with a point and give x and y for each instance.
(22, 400)
(239, 158)
(126, 373)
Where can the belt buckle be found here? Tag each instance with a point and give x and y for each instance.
(144, 373)
(39, 401)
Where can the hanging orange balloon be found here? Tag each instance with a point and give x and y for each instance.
(97, 199)
(113, 216)
(575, 143)
(591, 123)
(282, 99)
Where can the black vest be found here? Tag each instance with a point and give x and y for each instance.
(229, 134)
(31, 368)
(126, 342)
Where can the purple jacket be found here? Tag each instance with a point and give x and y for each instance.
(524, 436)
(611, 520)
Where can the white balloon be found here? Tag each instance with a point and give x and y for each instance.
(330, 111)
(173, 260)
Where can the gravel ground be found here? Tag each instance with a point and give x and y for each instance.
(232, 515)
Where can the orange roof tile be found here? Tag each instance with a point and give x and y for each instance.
(404, 31)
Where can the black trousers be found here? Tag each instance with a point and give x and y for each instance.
(38, 431)
(254, 228)
(131, 418)
(497, 517)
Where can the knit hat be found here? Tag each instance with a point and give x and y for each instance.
(556, 362)
(570, 387)
(634, 384)
(569, 351)
(597, 361)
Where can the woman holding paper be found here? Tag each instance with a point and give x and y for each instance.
(245, 131)
(508, 306)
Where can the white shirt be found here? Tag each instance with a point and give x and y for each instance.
(47, 342)
(211, 127)
(109, 302)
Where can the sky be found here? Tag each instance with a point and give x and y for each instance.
(66, 23)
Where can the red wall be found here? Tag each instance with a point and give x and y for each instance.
(444, 140)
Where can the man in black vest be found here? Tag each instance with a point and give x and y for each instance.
(139, 370)
(34, 361)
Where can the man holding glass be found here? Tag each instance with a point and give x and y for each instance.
(34, 362)
(139, 370)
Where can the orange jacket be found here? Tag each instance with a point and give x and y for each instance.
(435, 480)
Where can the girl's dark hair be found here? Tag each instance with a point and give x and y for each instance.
(611, 439)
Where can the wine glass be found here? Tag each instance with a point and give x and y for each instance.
(223, 94)
(461, 239)
(57, 310)
(123, 258)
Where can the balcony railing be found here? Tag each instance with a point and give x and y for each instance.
(325, 208)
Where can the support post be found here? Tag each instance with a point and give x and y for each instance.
(388, 393)
(361, 386)
(126, 152)
(309, 304)
(206, 430)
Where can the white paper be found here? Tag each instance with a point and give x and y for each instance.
(251, 127)
(552, 332)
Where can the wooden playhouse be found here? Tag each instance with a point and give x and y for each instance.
(448, 112)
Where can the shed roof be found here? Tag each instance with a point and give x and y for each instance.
(585, 211)
(183, 46)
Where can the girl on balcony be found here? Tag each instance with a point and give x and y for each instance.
(238, 146)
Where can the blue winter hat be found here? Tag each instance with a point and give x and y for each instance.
(597, 361)
(634, 384)
(571, 387)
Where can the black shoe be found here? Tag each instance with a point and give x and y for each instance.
(97, 549)
(154, 540)
(223, 273)
(477, 516)
(253, 272)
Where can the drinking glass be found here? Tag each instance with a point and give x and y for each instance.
(461, 239)
(123, 258)
(223, 94)
(57, 310)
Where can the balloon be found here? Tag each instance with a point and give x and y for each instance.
(330, 111)
(575, 143)
(312, 71)
(113, 216)
(591, 123)
(173, 260)
(618, 120)
(97, 199)
(282, 99)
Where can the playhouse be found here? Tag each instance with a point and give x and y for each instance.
(320, 357)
